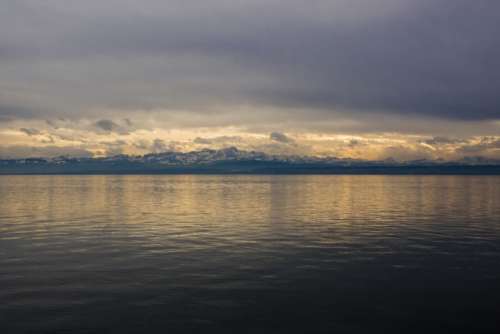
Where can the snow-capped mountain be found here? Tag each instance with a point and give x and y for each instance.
(233, 160)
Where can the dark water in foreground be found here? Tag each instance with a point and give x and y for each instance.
(249, 254)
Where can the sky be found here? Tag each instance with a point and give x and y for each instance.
(365, 79)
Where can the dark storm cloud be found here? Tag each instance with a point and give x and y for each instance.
(106, 125)
(432, 58)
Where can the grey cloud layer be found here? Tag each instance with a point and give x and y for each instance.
(432, 58)
(280, 138)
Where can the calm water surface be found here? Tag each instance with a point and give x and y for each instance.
(249, 254)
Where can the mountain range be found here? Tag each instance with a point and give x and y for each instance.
(234, 161)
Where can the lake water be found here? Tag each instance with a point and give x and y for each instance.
(249, 254)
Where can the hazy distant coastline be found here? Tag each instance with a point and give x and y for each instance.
(234, 161)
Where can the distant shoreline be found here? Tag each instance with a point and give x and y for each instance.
(231, 161)
(414, 170)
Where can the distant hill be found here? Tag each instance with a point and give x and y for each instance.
(234, 161)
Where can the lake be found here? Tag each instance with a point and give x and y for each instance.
(249, 254)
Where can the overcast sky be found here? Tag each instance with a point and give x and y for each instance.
(374, 79)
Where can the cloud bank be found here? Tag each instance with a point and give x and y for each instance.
(138, 71)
